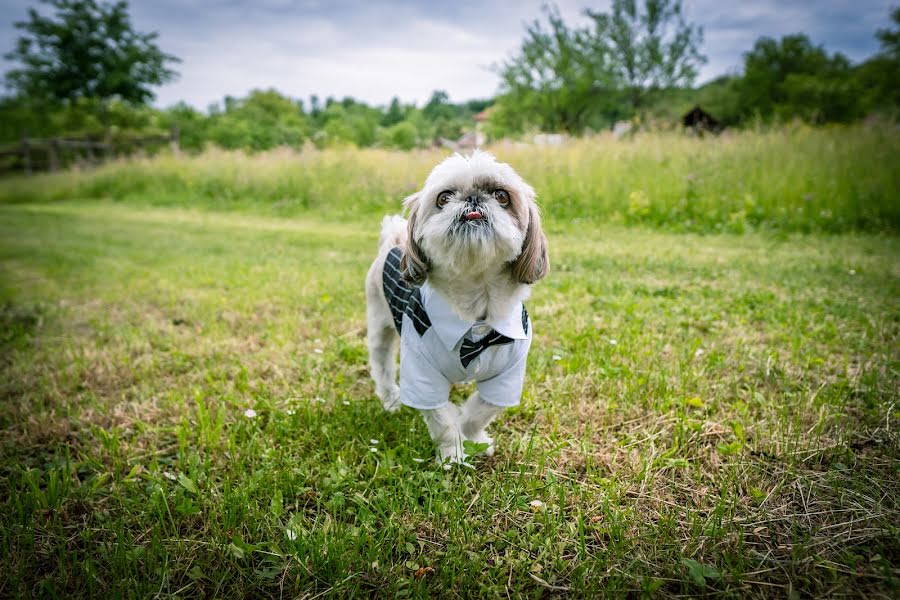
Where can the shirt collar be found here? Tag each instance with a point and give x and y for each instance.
(450, 328)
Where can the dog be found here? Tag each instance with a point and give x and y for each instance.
(447, 286)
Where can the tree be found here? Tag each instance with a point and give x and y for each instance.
(793, 77)
(568, 79)
(87, 49)
(401, 135)
(394, 114)
(650, 47)
(555, 82)
(261, 121)
(890, 40)
(438, 106)
(879, 76)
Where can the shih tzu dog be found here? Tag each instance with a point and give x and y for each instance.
(448, 285)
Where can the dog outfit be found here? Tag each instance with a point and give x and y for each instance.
(438, 348)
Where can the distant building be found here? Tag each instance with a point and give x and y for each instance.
(701, 121)
(470, 140)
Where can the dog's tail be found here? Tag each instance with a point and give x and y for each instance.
(393, 231)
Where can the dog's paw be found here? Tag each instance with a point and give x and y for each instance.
(390, 399)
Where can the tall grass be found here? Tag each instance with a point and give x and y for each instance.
(795, 178)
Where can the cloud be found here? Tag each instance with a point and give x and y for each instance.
(383, 48)
(731, 28)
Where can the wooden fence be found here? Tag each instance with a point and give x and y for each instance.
(52, 154)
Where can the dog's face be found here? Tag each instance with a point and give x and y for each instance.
(473, 215)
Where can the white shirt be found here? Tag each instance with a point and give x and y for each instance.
(430, 363)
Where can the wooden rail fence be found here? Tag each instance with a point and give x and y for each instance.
(55, 151)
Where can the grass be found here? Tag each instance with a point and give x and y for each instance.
(186, 408)
(794, 179)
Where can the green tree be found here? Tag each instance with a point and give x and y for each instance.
(261, 121)
(557, 79)
(394, 114)
(87, 49)
(793, 77)
(439, 107)
(569, 79)
(649, 45)
(401, 135)
(349, 121)
(879, 77)
(890, 39)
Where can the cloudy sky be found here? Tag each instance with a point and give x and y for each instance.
(376, 49)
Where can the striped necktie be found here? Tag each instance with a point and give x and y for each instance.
(470, 350)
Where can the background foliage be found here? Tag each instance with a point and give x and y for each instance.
(636, 62)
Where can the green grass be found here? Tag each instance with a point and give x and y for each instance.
(703, 415)
(795, 179)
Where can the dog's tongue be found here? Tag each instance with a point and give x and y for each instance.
(471, 216)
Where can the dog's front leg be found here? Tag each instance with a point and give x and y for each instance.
(444, 427)
(475, 416)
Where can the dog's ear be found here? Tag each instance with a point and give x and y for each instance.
(533, 262)
(413, 264)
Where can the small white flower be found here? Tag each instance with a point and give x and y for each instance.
(852, 272)
(169, 475)
(289, 412)
(419, 460)
(699, 352)
(291, 534)
(346, 403)
(373, 442)
(250, 413)
(318, 351)
(373, 449)
(557, 357)
(613, 342)
(536, 505)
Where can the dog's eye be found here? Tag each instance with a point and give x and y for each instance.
(502, 197)
(443, 198)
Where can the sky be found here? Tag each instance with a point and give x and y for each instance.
(379, 49)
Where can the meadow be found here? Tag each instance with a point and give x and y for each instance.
(711, 404)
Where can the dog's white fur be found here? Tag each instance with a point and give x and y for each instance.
(482, 269)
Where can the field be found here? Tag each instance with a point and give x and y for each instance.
(711, 405)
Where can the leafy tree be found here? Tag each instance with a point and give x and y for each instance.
(394, 114)
(401, 135)
(192, 124)
(349, 122)
(649, 46)
(87, 49)
(439, 107)
(795, 78)
(890, 39)
(879, 77)
(261, 121)
(555, 81)
(566, 79)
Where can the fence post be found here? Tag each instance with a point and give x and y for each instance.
(53, 154)
(26, 155)
(175, 140)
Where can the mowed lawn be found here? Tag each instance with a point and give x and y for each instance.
(186, 410)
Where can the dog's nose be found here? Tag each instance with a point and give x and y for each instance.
(472, 199)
